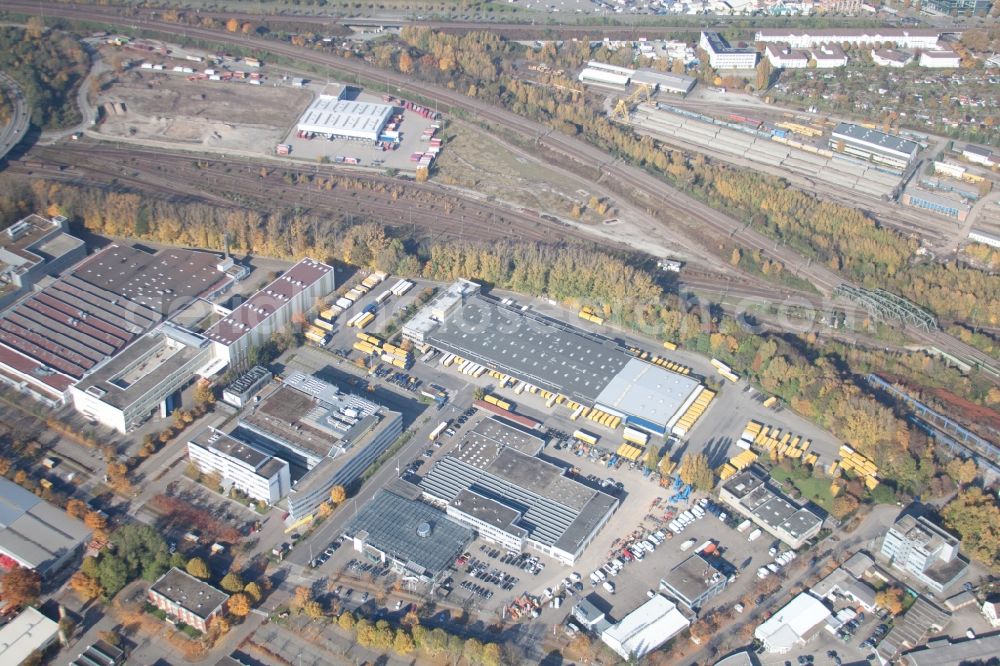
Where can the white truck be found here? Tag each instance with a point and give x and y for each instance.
(609, 586)
(753, 536)
(687, 545)
(744, 526)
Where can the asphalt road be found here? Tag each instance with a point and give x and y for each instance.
(14, 131)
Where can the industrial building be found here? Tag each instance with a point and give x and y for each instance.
(943, 59)
(604, 74)
(327, 437)
(842, 584)
(28, 633)
(872, 145)
(493, 482)
(946, 651)
(126, 389)
(186, 599)
(925, 551)
(243, 388)
(646, 628)
(551, 355)
(241, 465)
(270, 310)
(590, 617)
(415, 538)
(723, 56)
(677, 84)
(982, 237)
(921, 620)
(949, 7)
(793, 625)
(333, 117)
(948, 204)
(749, 493)
(100, 653)
(695, 580)
(57, 335)
(801, 38)
(33, 248)
(35, 534)
(978, 155)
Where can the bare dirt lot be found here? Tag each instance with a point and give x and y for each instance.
(165, 106)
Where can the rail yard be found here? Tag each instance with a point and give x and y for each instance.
(305, 359)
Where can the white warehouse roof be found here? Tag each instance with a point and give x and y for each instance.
(357, 120)
(27, 632)
(594, 75)
(648, 391)
(789, 626)
(646, 628)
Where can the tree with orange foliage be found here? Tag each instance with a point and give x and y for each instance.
(85, 587)
(76, 508)
(239, 605)
(232, 25)
(20, 586)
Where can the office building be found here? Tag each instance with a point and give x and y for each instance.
(925, 551)
(327, 437)
(828, 56)
(125, 390)
(749, 493)
(33, 248)
(35, 534)
(950, 7)
(186, 599)
(723, 56)
(782, 56)
(895, 58)
(248, 469)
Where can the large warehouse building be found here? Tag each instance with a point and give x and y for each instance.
(493, 482)
(886, 150)
(337, 118)
(35, 534)
(584, 367)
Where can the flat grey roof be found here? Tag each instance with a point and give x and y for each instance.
(692, 577)
(668, 80)
(720, 45)
(944, 652)
(138, 369)
(245, 382)
(210, 438)
(553, 508)
(876, 140)
(768, 505)
(647, 390)
(490, 512)
(916, 624)
(330, 115)
(194, 595)
(33, 531)
(538, 350)
(392, 523)
(160, 280)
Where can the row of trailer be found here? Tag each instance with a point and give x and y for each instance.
(589, 314)
(725, 370)
(777, 444)
(737, 463)
(395, 355)
(852, 461)
(499, 402)
(664, 363)
(693, 412)
(463, 366)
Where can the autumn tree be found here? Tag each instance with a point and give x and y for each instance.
(405, 63)
(232, 25)
(891, 599)
(844, 505)
(338, 494)
(239, 605)
(20, 586)
(197, 568)
(302, 596)
(695, 471)
(203, 393)
(402, 642)
(253, 592)
(76, 508)
(962, 472)
(231, 583)
(974, 514)
(84, 586)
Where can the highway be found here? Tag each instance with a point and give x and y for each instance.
(14, 131)
(652, 192)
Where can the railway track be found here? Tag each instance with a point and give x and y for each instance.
(684, 208)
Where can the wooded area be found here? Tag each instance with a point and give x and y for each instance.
(49, 65)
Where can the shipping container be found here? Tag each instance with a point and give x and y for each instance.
(585, 437)
(322, 323)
